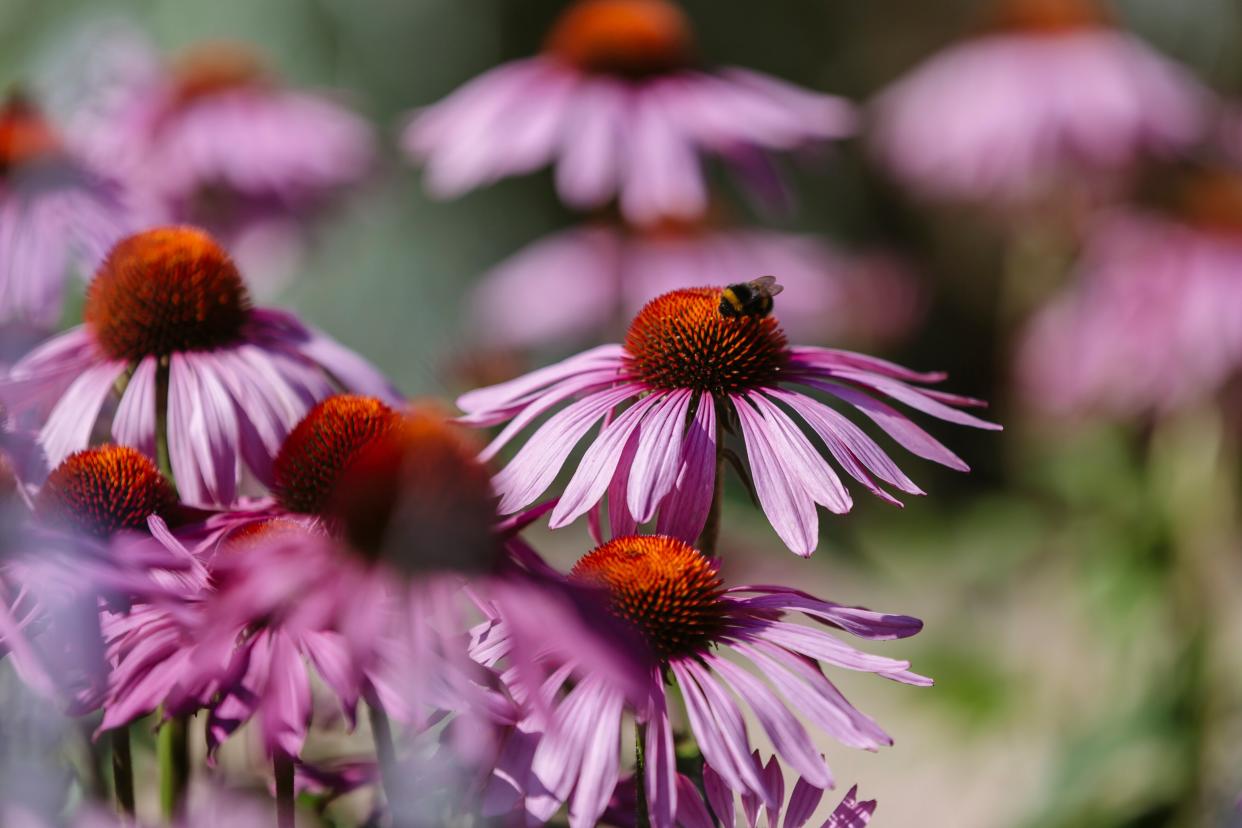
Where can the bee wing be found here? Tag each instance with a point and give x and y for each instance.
(768, 285)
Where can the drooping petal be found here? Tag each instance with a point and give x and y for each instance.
(730, 726)
(785, 501)
(661, 779)
(535, 465)
(134, 421)
(597, 776)
(657, 460)
(684, 512)
(788, 735)
(896, 425)
(595, 471)
(68, 427)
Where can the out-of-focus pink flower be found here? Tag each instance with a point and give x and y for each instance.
(365, 571)
(684, 372)
(1154, 320)
(616, 104)
(220, 142)
(168, 314)
(57, 215)
(584, 283)
(675, 599)
(1055, 97)
(87, 545)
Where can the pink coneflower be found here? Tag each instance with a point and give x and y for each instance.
(1055, 96)
(168, 318)
(674, 597)
(216, 137)
(56, 215)
(687, 373)
(364, 584)
(604, 274)
(616, 103)
(87, 543)
(218, 125)
(1154, 320)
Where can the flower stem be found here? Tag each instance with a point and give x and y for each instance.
(97, 786)
(122, 770)
(282, 766)
(162, 459)
(173, 752)
(710, 535)
(385, 753)
(641, 817)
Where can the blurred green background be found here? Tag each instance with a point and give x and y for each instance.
(1080, 587)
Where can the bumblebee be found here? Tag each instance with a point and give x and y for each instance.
(753, 298)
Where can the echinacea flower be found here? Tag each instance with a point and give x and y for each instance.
(168, 320)
(1154, 319)
(57, 214)
(358, 573)
(685, 373)
(697, 629)
(88, 542)
(602, 274)
(217, 138)
(615, 101)
(1054, 96)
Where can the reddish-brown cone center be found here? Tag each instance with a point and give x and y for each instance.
(418, 498)
(630, 38)
(104, 490)
(310, 462)
(166, 290)
(1050, 16)
(681, 340)
(668, 589)
(211, 68)
(25, 136)
(1212, 200)
(250, 535)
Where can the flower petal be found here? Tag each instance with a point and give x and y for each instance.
(683, 514)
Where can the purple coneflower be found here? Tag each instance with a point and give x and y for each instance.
(216, 138)
(168, 321)
(1154, 320)
(358, 571)
(603, 274)
(675, 599)
(685, 374)
(56, 214)
(86, 543)
(216, 131)
(616, 102)
(1055, 95)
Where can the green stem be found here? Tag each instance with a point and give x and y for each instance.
(641, 817)
(97, 786)
(710, 535)
(162, 459)
(122, 770)
(282, 765)
(173, 752)
(385, 754)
